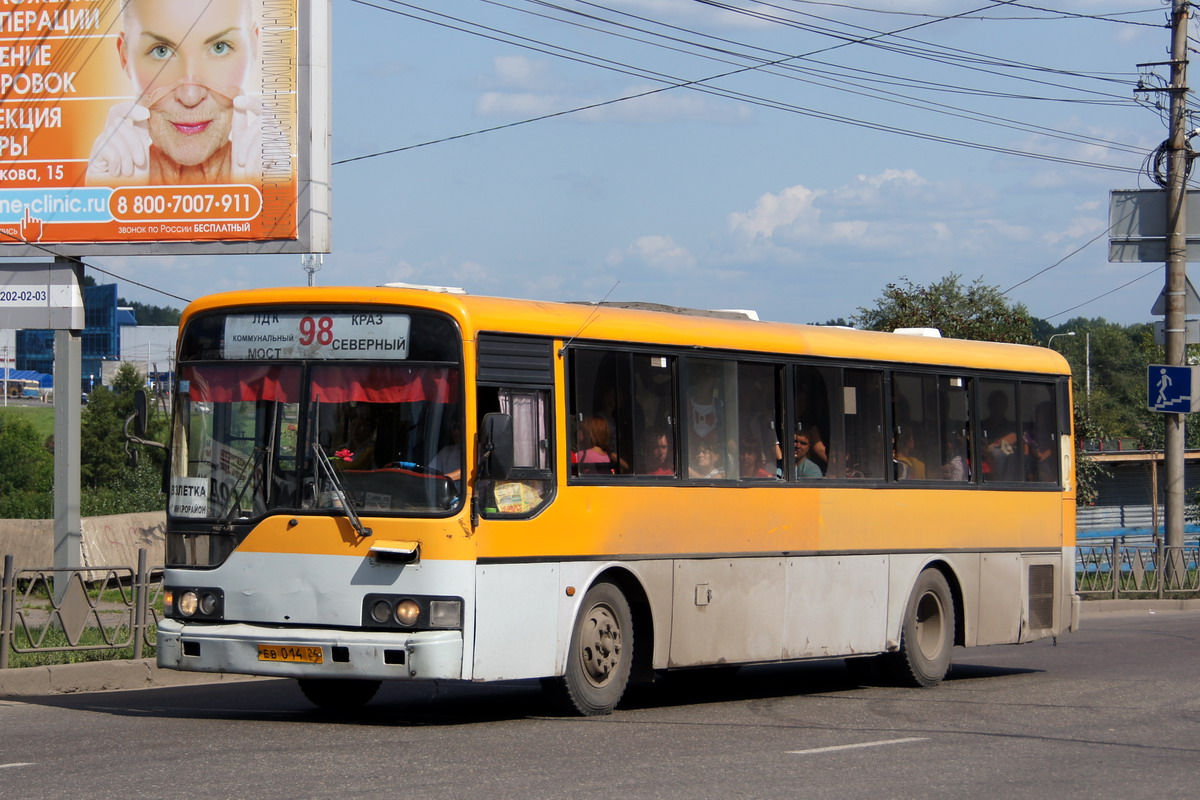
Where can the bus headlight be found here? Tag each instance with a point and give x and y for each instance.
(407, 612)
(189, 602)
(412, 612)
(208, 603)
(194, 602)
(381, 611)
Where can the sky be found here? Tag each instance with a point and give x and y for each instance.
(784, 186)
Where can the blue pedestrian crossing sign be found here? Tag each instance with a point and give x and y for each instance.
(1173, 390)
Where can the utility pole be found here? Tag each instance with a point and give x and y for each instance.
(1176, 269)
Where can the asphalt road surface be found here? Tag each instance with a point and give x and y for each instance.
(1112, 711)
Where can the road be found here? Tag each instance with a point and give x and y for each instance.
(1110, 711)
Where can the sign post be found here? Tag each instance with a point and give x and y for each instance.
(48, 295)
(68, 373)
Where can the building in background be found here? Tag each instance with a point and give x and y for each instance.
(150, 348)
(111, 337)
(100, 342)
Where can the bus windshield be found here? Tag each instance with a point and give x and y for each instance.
(247, 439)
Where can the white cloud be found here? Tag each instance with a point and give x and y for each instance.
(521, 72)
(790, 209)
(521, 104)
(657, 252)
(897, 214)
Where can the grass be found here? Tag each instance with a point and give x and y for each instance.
(91, 636)
(41, 417)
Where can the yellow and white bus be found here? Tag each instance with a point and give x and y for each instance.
(391, 483)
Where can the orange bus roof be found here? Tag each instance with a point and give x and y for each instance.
(585, 322)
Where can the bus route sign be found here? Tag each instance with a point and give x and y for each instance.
(319, 336)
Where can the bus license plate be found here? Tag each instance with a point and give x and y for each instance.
(280, 652)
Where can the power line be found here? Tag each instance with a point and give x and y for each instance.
(1074, 252)
(700, 84)
(1106, 294)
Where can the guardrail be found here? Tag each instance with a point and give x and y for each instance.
(110, 608)
(46, 610)
(1147, 569)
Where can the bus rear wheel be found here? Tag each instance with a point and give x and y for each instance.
(600, 653)
(927, 637)
(338, 694)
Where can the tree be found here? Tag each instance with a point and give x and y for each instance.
(104, 460)
(26, 472)
(976, 311)
(151, 315)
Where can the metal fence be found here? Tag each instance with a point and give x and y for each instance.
(100, 608)
(1140, 569)
(110, 608)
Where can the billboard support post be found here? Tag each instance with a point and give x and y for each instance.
(68, 376)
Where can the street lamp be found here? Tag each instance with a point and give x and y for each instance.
(1053, 336)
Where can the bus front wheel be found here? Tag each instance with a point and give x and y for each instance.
(928, 633)
(600, 654)
(338, 694)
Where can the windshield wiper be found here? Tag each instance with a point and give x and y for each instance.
(241, 483)
(326, 470)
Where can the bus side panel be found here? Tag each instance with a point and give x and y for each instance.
(999, 606)
(516, 621)
(836, 605)
(727, 610)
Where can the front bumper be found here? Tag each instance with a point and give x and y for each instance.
(233, 647)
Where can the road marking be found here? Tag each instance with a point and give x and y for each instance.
(857, 746)
(17, 764)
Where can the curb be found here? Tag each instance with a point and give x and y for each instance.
(1090, 608)
(102, 676)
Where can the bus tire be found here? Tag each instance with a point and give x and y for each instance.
(338, 694)
(600, 653)
(927, 636)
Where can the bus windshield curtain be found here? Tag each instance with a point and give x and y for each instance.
(242, 383)
(384, 384)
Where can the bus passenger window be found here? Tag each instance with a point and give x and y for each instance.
(595, 440)
(811, 423)
(917, 422)
(1040, 439)
(653, 415)
(711, 419)
(759, 427)
(954, 422)
(862, 407)
(1001, 451)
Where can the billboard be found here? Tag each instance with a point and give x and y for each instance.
(163, 126)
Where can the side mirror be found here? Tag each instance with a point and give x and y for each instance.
(496, 451)
(139, 413)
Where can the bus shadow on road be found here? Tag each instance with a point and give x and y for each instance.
(449, 703)
(765, 681)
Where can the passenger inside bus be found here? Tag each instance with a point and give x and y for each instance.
(593, 454)
(1002, 462)
(753, 460)
(657, 458)
(358, 445)
(908, 466)
(804, 467)
(707, 461)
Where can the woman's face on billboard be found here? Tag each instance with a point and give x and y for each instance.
(188, 70)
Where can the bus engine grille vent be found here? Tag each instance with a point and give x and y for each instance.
(1041, 595)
